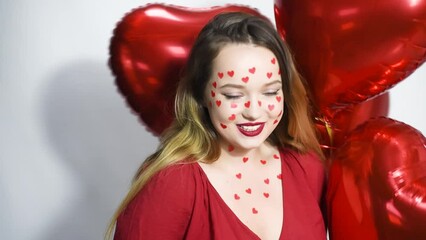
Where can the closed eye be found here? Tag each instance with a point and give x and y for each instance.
(231, 96)
(272, 93)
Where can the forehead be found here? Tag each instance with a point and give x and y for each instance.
(242, 56)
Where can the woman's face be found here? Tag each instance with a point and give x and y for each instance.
(244, 95)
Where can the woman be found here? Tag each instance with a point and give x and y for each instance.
(241, 159)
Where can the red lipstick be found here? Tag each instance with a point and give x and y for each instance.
(251, 129)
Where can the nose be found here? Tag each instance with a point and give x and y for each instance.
(252, 110)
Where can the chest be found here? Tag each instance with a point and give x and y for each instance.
(255, 198)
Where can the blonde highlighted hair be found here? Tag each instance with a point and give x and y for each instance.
(192, 137)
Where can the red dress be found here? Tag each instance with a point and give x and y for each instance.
(180, 203)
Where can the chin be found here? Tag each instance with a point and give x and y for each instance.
(250, 144)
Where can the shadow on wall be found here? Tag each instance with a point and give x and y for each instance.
(98, 139)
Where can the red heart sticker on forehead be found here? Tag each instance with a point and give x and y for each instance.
(148, 49)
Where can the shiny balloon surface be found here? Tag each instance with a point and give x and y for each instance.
(377, 186)
(348, 50)
(346, 120)
(148, 50)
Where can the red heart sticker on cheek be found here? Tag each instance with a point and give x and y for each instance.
(349, 51)
(232, 117)
(149, 47)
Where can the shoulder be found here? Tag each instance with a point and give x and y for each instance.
(176, 181)
(163, 207)
(308, 166)
(178, 171)
(309, 162)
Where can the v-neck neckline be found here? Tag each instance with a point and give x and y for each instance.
(223, 203)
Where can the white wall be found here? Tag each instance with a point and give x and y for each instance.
(68, 143)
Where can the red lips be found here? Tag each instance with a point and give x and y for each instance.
(251, 129)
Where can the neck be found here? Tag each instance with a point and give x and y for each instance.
(233, 156)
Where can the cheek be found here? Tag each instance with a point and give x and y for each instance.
(273, 105)
(223, 111)
(222, 118)
(275, 110)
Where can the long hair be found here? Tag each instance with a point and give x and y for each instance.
(192, 137)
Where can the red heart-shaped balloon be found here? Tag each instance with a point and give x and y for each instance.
(377, 184)
(334, 132)
(351, 50)
(148, 49)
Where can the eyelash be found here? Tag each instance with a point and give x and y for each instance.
(230, 97)
(272, 93)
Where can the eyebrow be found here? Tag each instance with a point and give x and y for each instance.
(239, 86)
